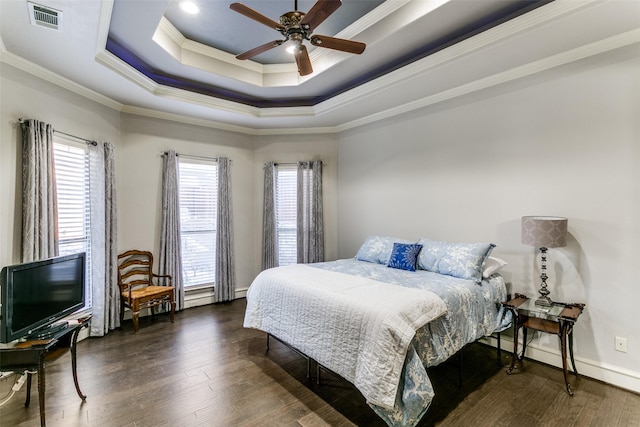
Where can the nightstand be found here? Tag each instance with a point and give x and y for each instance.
(557, 319)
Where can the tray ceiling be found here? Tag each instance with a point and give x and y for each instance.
(146, 57)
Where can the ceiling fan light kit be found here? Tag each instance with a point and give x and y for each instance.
(297, 27)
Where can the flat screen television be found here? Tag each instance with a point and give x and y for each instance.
(37, 294)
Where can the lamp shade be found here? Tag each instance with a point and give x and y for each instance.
(544, 231)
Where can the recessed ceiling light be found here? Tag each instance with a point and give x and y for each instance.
(189, 7)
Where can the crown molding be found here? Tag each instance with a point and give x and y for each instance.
(49, 76)
(373, 17)
(180, 118)
(213, 124)
(114, 63)
(611, 43)
(104, 21)
(184, 45)
(466, 47)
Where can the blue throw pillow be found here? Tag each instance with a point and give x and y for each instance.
(378, 249)
(404, 256)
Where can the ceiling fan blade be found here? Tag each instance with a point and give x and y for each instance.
(303, 61)
(338, 44)
(319, 12)
(258, 50)
(256, 16)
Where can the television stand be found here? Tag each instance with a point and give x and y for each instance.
(48, 331)
(32, 355)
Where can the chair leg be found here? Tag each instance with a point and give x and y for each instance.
(121, 311)
(135, 317)
(173, 310)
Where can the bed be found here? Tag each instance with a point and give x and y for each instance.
(379, 327)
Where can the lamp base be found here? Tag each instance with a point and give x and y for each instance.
(544, 301)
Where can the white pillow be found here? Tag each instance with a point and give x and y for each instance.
(492, 265)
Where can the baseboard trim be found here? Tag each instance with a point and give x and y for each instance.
(200, 297)
(605, 372)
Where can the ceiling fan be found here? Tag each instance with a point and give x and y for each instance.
(296, 27)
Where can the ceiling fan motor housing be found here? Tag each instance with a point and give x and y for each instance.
(292, 28)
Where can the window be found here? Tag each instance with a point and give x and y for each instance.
(286, 213)
(72, 186)
(198, 189)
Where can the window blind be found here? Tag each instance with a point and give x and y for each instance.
(286, 213)
(198, 188)
(74, 215)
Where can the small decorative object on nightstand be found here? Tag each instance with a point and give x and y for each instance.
(558, 319)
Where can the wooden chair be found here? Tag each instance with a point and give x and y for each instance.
(138, 288)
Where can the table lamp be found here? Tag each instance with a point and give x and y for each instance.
(544, 232)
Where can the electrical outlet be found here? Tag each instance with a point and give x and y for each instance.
(621, 344)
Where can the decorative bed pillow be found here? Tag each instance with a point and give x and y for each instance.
(463, 260)
(378, 249)
(492, 265)
(404, 256)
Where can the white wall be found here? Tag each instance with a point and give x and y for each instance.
(24, 96)
(139, 182)
(139, 142)
(566, 143)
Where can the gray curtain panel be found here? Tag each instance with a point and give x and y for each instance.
(269, 232)
(225, 286)
(103, 255)
(111, 243)
(170, 260)
(310, 225)
(39, 200)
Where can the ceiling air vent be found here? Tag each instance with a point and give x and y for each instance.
(45, 16)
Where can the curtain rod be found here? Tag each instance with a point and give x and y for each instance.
(291, 163)
(189, 156)
(88, 141)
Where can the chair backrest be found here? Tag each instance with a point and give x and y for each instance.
(134, 269)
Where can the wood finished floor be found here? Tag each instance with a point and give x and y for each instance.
(207, 370)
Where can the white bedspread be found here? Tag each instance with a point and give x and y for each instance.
(357, 327)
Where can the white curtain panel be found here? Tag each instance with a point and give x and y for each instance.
(225, 286)
(310, 225)
(104, 285)
(111, 242)
(170, 260)
(39, 201)
(269, 238)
